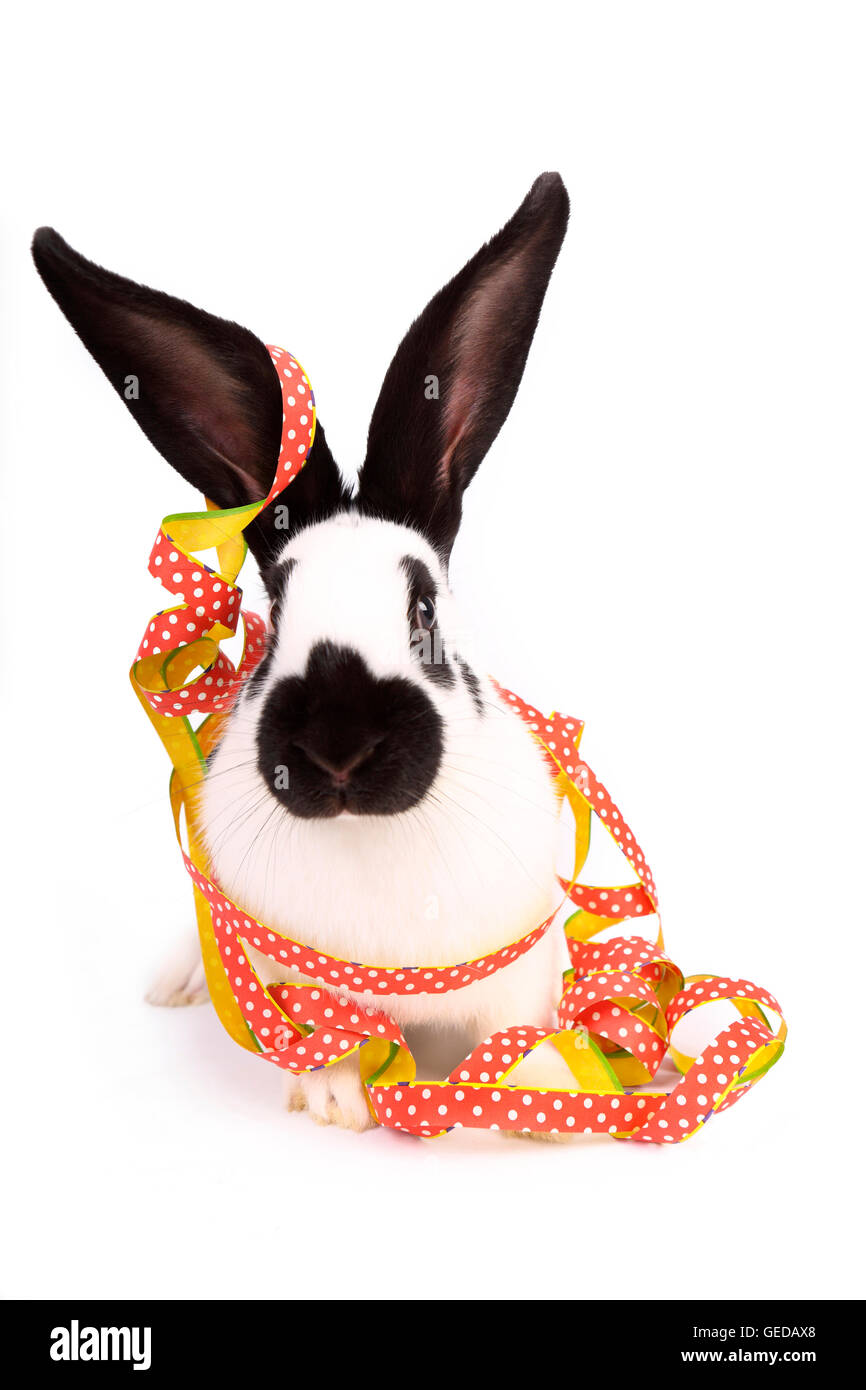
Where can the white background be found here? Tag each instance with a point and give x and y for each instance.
(666, 540)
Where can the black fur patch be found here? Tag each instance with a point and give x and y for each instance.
(427, 643)
(276, 579)
(472, 683)
(260, 674)
(421, 582)
(339, 738)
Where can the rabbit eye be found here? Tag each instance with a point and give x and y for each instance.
(425, 613)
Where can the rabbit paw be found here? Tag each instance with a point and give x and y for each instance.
(181, 980)
(333, 1095)
(544, 1136)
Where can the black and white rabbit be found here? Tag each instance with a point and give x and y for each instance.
(419, 822)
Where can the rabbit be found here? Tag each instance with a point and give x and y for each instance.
(418, 821)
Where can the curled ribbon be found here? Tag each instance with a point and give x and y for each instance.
(623, 996)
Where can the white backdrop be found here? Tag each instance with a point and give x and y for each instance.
(673, 516)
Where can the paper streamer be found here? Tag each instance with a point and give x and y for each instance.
(622, 996)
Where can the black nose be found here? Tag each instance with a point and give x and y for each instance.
(339, 763)
(339, 738)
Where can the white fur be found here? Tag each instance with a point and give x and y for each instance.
(469, 869)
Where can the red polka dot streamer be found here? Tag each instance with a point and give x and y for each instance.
(622, 998)
(613, 1002)
(233, 928)
(210, 600)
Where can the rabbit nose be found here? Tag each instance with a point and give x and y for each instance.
(338, 766)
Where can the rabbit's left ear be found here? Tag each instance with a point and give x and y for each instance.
(455, 375)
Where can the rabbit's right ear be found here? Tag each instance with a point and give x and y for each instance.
(204, 390)
(456, 373)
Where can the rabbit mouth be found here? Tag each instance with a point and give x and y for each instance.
(339, 740)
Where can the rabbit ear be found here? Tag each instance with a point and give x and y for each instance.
(455, 375)
(204, 390)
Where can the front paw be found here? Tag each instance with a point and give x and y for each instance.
(332, 1095)
(181, 980)
(545, 1136)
